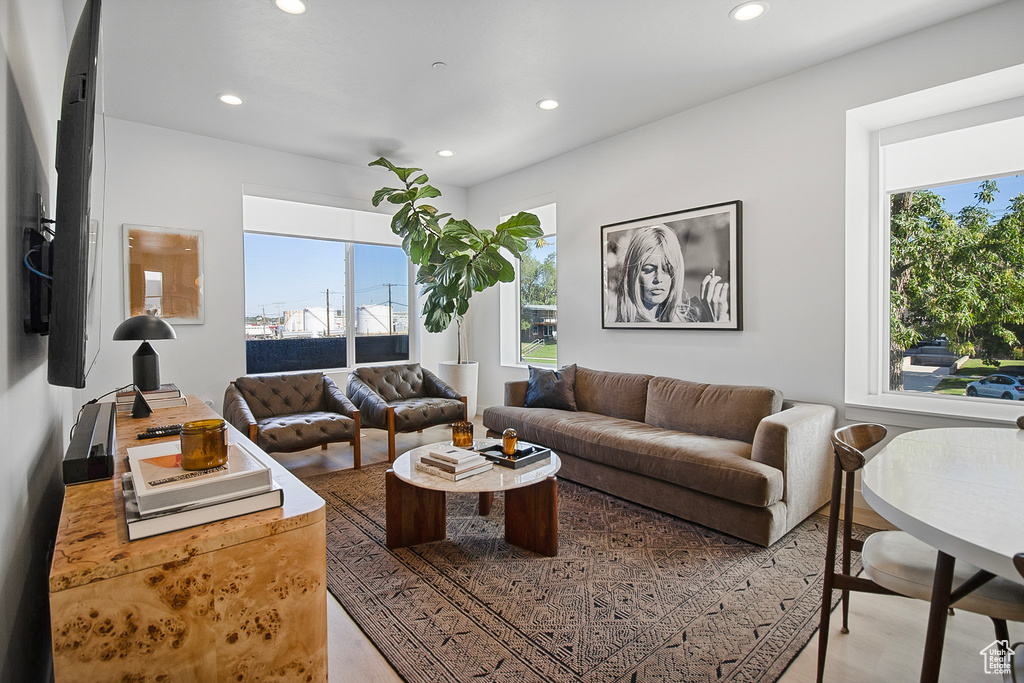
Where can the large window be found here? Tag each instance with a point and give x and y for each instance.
(382, 307)
(317, 304)
(538, 303)
(529, 305)
(934, 252)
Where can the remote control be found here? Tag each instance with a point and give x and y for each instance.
(158, 432)
(163, 428)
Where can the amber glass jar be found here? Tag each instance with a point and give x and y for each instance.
(509, 439)
(204, 444)
(462, 434)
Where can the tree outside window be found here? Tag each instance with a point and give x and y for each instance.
(538, 296)
(957, 275)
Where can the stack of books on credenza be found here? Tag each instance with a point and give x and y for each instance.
(167, 396)
(160, 496)
(452, 463)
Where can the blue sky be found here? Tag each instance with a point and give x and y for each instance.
(297, 272)
(959, 196)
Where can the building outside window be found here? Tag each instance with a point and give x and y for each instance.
(298, 291)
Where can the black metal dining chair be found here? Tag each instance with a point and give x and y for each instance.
(894, 562)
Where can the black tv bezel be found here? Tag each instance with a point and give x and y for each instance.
(68, 316)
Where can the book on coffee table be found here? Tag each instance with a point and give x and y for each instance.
(454, 468)
(452, 476)
(452, 454)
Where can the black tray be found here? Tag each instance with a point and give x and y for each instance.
(526, 454)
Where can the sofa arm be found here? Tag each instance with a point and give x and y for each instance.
(372, 406)
(515, 393)
(435, 387)
(336, 401)
(236, 412)
(796, 441)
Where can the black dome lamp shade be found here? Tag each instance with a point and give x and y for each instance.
(146, 361)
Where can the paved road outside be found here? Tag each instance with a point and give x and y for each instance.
(922, 377)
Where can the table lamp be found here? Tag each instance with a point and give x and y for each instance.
(146, 361)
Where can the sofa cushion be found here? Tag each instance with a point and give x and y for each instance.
(712, 465)
(418, 413)
(394, 382)
(285, 394)
(616, 394)
(549, 388)
(729, 412)
(298, 431)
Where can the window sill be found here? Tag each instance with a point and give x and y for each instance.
(930, 411)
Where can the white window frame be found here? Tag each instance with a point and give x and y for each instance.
(509, 304)
(287, 218)
(919, 123)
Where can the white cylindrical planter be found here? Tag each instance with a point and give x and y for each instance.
(463, 378)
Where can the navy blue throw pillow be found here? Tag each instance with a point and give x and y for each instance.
(552, 388)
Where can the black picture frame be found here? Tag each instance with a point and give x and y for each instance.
(640, 260)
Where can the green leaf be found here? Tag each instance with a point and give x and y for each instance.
(401, 197)
(382, 194)
(523, 224)
(426, 192)
(400, 221)
(451, 244)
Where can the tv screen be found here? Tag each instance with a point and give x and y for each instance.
(69, 314)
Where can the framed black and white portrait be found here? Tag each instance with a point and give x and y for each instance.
(676, 270)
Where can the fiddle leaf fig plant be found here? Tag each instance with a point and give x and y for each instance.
(454, 259)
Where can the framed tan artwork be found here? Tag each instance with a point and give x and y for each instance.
(163, 273)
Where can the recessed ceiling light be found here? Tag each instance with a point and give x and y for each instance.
(445, 153)
(548, 105)
(748, 10)
(227, 98)
(440, 66)
(291, 6)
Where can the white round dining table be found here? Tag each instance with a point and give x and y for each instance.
(961, 491)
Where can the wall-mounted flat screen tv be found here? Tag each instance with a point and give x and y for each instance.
(75, 242)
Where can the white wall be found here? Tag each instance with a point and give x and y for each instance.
(780, 148)
(166, 178)
(34, 48)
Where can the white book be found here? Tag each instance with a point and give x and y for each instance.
(154, 403)
(424, 467)
(467, 464)
(452, 454)
(143, 526)
(161, 483)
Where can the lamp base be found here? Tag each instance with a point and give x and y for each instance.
(146, 368)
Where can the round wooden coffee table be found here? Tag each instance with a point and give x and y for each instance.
(417, 510)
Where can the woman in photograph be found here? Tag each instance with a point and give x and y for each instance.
(650, 284)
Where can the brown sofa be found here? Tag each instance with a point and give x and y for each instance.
(734, 458)
(292, 412)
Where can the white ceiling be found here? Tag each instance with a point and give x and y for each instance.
(352, 79)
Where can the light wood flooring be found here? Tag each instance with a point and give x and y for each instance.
(885, 642)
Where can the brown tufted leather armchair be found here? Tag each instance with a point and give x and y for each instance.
(292, 412)
(403, 398)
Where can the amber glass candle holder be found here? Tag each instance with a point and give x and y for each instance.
(462, 434)
(509, 439)
(204, 444)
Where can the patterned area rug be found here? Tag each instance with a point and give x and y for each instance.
(633, 595)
